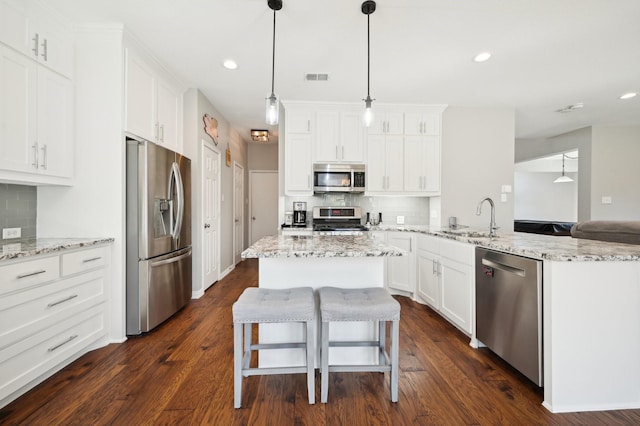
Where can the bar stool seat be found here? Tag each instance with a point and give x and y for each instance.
(260, 305)
(373, 304)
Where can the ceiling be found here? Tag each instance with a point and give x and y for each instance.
(546, 54)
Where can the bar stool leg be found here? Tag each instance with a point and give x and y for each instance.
(395, 355)
(324, 359)
(382, 335)
(310, 348)
(237, 364)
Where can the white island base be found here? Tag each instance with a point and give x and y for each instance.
(315, 272)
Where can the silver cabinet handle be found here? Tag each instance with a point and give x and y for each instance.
(308, 125)
(35, 155)
(336, 152)
(343, 152)
(44, 49)
(93, 259)
(162, 133)
(53, 348)
(66, 299)
(36, 44)
(309, 181)
(156, 129)
(44, 157)
(42, 271)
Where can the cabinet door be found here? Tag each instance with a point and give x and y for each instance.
(376, 176)
(55, 48)
(428, 280)
(395, 123)
(298, 167)
(14, 27)
(395, 163)
(413, 164)
(299, 120)
(169, 115)
(18, 111)
(421, 123)
(55, 124)
(401, 272)
(327, 141)
(457, 281)
(412, 123)
(430, 159)
(141, 98)
(352, 137)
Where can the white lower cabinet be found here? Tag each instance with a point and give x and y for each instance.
(446, 279)
(401, 270)
(52, 310)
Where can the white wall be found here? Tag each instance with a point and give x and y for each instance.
(95, 205)
(477, 159)
(538, 198)
(615, 172)
(262, 156)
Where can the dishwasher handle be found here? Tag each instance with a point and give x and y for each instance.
(503, 267)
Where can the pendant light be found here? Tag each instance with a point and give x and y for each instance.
(368, 7)
(563, 178)
(272, 100)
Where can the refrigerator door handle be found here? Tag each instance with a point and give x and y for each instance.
(176, 179)
(171, 259)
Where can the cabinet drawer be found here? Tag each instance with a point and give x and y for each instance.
(21, 275)
(35, 355)
(26, 312)
(83, 260)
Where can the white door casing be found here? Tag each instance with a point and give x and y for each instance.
(238, 211)
(210, 215)
(263, 203)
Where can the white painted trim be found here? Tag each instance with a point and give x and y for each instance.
(226, 272)
(236, 164)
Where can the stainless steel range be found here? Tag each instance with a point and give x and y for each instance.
(338, 221)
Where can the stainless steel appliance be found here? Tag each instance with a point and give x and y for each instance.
(158, 234)
(338, 221)
(509, 309)
(338, 178)
(299, 214)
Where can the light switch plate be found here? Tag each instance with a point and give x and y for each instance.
(606, 200)
(8, 233)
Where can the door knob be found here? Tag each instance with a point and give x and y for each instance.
(253, 218)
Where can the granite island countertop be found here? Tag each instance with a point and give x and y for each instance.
(545, 247)
(37, 246)
(281, 246)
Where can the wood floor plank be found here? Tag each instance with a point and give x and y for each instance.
(182, 374)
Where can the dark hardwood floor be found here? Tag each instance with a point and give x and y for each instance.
(182, 373)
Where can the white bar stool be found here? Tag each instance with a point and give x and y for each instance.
(260, 305)
(361, 304)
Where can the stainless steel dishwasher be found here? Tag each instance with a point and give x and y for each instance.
(509, 309)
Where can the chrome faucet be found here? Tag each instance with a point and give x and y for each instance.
(492, 226)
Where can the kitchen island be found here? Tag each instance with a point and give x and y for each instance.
(316, 261)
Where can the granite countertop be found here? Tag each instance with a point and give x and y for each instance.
(281, 246)
(33, 247)
(547, 247)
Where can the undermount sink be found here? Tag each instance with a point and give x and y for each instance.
(467, 233)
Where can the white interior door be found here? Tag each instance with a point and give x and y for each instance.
(210, 216)
(238, 211)
(263, 204)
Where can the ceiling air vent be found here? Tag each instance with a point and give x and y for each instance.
(316, 76)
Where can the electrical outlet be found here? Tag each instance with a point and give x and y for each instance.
(399, 220)
(8, 233)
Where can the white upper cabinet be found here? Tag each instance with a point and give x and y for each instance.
(153, 103)
(34, 32)
(299, 120)
(339, 135)
(422, 123)
(300, 127)
(422, 164)
(387, 122)
(384, 164)
(36, 122)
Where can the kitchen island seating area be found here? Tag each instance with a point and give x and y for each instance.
(363, 305)
(298, 305)
(260, 305)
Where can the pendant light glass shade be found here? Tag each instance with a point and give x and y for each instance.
(563, 178)
(368, 7)
(272, 104)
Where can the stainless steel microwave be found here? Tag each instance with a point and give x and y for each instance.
(338, 178)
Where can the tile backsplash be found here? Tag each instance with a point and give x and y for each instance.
(18, 207)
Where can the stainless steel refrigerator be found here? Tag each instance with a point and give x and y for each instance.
(158, 234)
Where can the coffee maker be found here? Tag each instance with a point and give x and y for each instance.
(299, 213)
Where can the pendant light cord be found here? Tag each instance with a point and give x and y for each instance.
(368, 57)
(273, 56)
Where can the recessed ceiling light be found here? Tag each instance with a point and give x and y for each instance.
(230, 64)
(628, 95)
(481, 57)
